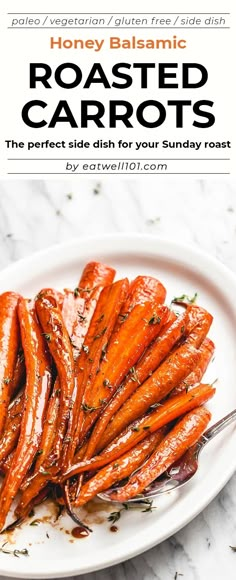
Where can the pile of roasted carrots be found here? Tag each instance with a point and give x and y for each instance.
(100, 388)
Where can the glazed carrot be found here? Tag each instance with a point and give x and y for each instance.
(59, 344)
(49, 428)
(102, 324)
(185, 434)
(73, 310)
(142, 289)
(121, 469)
(18, 378)
(5, 464)
(36, 500)
(137, 431)
(94, 278)
(34, 485)
(9, 346)
(104, 318)
(167, 376)
(174, 369)
(12, 428)
(37, 390)
(206, 351)
(153, 356)
(127, 344)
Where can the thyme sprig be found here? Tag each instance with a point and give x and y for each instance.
(144, 505)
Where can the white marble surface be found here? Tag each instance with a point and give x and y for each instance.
(36, 214)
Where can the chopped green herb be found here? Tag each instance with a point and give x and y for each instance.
(21, 356)
(101, 318)
(81, 317)
(103, 351)
(106, 383)
(102, 401)
(233, 548)
(146, 427)
(69, 196)
(88, 408)
(153, 221)
(154, 320)
(85, 348)
(6, 381)
(100, 333)
(155, 405)
(48, 337)
(114, 516)
(134, 377)
(35, 523)
(185, 299)
(42, 470)
(123, 316)
(134, 428)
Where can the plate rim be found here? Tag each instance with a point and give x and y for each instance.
(188, 250)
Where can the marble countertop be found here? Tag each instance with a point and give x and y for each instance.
(35, 214)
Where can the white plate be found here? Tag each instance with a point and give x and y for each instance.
(181, 269)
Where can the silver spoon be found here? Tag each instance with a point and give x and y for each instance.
(183, 470)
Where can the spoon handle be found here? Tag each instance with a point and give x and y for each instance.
(218, 427)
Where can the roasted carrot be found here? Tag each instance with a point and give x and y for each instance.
(137, 431)
(43, 494)
(83, 319)
(174, 369)
(94, 274)
(102, 324)
(50, 427)
(9, 346)
(105, 316)
(168, 375)
(34, 485)
(58, 296)
(187, 432)
(94, 278)
(142, 325)
(206, 351)
(121, 469)
(73, 314)
(36, 394)
(153, 356)
(54, 330)
(142, 289)
(72, 310)
(12, 427)
(18, 379)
